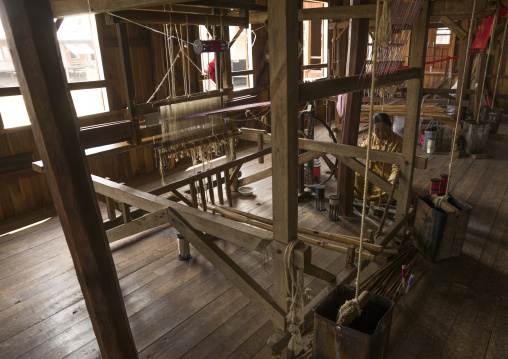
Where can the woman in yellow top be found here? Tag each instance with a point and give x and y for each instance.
(383, 139)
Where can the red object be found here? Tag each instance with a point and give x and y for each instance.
(434, 185)
(443, 184)
(317, 172)
(211, 70)
(482, 36)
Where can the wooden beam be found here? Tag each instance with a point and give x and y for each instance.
(455, 28)
(63, 8)
(160, 17)
(258, 176)
(34, 48)
(394, 229)
(374, 178)
(82, 85)
(319, 89)
(417, 51)
(284, 114)
(219, 4)
(139, 225)
(128, 77)
(224, 264)
(217, 226)
(438, 8)
(340, 150)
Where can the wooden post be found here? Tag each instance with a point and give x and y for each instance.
(283, 35)
(414, 98)
(357, 52)
(130, 92)
(194, 194)
(35, 52)
(111, 208)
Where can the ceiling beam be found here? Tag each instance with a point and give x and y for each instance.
(63, 8)
(160, 17)
(437, 8)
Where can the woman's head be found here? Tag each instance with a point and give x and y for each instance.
(382, 126)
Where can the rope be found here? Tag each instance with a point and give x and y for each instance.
(367, 160)
(459, 112)
(491, 47)
(294, 287)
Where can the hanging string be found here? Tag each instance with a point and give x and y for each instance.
(367, 159)
(459, 112)
(491, 48)
(163, 79)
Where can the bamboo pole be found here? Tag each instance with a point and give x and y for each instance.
(341, 238)
(240, 218)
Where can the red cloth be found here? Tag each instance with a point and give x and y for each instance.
(483, 34)
(211, 70)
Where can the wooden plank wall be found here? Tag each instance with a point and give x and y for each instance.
(25, 192)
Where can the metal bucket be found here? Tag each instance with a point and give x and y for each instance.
(436, 134)
(438, 234)
(366, 337)
(476, 137)
(492, 116)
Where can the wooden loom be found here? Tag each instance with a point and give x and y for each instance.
(162, 210)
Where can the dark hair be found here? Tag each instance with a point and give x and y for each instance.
(382, 117)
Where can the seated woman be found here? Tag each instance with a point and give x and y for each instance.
(383, 139)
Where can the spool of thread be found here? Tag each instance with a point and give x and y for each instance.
(434, 185)
(422, 139)
(317, 169)
(443, 184)
(201, 46)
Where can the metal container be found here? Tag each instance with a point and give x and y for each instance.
(366, 337)
(438, 234)
(492, 116)
(476, 137)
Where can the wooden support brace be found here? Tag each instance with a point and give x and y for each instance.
(228, 268)
(318, 272)
(139, 225)
(126, 212)
(235, 173)
(182, 198)
(394, 229)
(456, 29)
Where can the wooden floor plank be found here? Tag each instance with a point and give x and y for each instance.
(457, 308)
